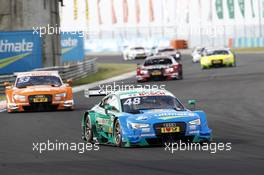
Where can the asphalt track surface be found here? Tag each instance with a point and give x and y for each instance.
(231, 97)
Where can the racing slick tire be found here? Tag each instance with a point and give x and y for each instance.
(88, 134)
(203, 67)
(180, 76)
(118, 134)
(140, 81)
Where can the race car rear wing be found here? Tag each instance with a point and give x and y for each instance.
(95, 92)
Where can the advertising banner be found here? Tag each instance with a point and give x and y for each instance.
(72, 47)
(252, 9)
(219, 9)
(231, 9)
(19, 51)
(241, 4)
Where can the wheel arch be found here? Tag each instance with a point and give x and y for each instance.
(122, 123)
(83, 121)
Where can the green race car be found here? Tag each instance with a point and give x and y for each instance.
(141, 118)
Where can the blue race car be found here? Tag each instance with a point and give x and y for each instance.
(142, 117)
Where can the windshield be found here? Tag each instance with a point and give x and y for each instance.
(135, 104)
(166, 50)
(157, 61)
(38, 80)
(217, 52)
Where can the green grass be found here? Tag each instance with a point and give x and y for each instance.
(249, 50)
(106, 71)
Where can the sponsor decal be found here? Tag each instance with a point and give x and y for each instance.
(102, 121)
(148, 135)
(69, 42)
(194, 132)
(19, 46)
(72, 46)
(168, 115)
(157, 93)
(36, 89)
(142, 118)
(19, 51)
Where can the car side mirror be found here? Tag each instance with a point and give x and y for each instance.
(192, 104)
(7, 84)
(69, 81)
(107, 108)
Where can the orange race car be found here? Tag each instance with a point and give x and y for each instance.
(39, 91)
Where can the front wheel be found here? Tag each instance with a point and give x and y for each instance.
(117, 134)
(88, 130)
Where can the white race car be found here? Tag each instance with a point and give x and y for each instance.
(131, 53)
(197, 54)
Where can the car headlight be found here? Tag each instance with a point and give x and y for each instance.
(203, 60)
(228, 58)
(61, 95)
(139, 125)
(195, 122)
(170, 69)
(143, 71)
(19, 97)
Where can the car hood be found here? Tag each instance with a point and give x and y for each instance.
(213, 57)
(41, 89)
(161, 115)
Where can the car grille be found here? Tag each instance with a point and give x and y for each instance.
(40, 106)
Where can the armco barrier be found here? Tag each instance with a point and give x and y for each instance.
(5, 78)
(73, 72)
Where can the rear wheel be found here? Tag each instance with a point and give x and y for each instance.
(180, 75)
(88, 130)
(203, 67)
(117, 134)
